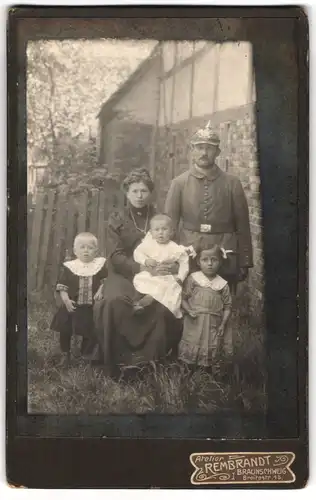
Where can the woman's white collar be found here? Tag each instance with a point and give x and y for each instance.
(217, 283)
(80, 268)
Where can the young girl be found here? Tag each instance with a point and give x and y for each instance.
(207, 305)
(157, 247)
(79, 285)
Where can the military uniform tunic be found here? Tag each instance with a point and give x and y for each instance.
(212, 207)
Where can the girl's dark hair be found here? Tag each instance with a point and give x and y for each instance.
(204, 246)
(138, 175)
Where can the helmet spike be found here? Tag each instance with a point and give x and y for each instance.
(206, 135)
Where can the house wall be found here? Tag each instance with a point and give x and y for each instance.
(214, 89)
(180, 110)
(139, 103)
(204, 84)
(233, 90)
(133, 118)
(183, 50)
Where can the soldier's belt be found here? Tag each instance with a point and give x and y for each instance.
(209, 228)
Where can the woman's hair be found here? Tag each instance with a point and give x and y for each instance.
(85, 236)
(138, 175)
(202, 246)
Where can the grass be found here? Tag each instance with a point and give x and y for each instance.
(161, 388)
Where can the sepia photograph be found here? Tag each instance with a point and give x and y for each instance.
(145, 255)
(157, 322)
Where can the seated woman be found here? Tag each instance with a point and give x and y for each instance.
(126, 338)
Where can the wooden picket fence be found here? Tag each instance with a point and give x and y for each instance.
(54, 219)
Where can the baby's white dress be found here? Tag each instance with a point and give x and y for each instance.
(164, 289)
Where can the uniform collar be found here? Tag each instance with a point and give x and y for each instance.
(201, 174)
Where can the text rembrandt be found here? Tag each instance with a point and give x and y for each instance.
(218, 464)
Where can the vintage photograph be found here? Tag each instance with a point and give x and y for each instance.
(145, 252)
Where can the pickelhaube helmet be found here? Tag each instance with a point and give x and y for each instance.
(206, 135)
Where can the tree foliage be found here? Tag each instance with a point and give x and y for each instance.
(66, 85)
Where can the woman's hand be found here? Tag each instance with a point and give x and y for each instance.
(162, 269)
(99, 293)
(167, 267)
(243, 273)
(149, 269)
(150, 263)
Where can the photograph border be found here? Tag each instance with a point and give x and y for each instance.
(126, 458)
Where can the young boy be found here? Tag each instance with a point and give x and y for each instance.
(79, 284)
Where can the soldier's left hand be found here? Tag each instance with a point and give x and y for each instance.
(243, 273)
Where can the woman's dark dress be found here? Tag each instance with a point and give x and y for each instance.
(127, 338)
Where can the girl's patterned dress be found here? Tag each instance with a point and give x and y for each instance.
(81, 281)
(208, 298)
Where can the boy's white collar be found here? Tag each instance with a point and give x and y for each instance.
(80, 268)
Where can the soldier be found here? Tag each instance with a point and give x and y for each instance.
(209, 206)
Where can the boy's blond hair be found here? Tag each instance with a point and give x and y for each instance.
(85, 236)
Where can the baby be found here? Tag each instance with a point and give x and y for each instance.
(157, 248)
